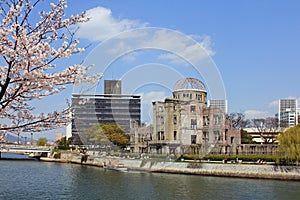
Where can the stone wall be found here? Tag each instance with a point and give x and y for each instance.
(233, 170)
(197, 168)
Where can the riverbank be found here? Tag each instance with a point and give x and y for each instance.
(261, 171)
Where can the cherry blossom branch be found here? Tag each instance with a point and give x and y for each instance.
(30, 53)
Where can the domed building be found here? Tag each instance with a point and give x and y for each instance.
(185, 123)
(189, 89)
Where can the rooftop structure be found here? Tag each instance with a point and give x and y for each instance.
(112, 87)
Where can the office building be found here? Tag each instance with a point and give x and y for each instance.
(287, 112)
(221, 104)
(111, 107)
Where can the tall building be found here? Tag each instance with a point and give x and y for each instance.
(287, 112)
(221, 104)
(112, 107)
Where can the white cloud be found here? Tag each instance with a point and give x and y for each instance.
(189, 50)
(148, 98)
(188, 47)
(103, 25)
(274, 104)
(251, 114)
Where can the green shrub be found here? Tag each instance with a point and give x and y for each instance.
(247, 158)
(188, 157)
(277, 159)
(191, 157)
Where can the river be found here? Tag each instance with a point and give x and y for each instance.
(21, 179)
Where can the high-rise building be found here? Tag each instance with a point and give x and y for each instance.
(287, 112)
(111, 107)
(221, 104)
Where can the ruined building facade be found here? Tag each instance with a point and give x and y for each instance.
(184, 123)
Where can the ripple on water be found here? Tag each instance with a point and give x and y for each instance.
(40, 180)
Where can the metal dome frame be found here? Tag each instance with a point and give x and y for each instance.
(189, 84)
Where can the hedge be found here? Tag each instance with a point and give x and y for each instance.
(281, 160)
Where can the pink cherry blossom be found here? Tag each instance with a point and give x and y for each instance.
(29, 68)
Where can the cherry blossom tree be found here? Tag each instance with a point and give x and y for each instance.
(30, 51)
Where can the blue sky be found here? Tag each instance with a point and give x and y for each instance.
(254, 44)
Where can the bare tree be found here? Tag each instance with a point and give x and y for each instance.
(268, 128)
(238, 120)
(29, 67)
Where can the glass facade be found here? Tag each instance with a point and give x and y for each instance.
(89, 110)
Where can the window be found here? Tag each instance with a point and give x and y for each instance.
(160, 135)
(160, 109)
(193, 123)
(142, 138)
(205, 120)
(217, 135)
(205, 136)
(160, 120)
(217, 119)
(175, 119)
(226, 134)
(231, 140)
(175, 135)
(193, 109)
(193, 139)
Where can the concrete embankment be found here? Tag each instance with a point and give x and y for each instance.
(196, 168)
